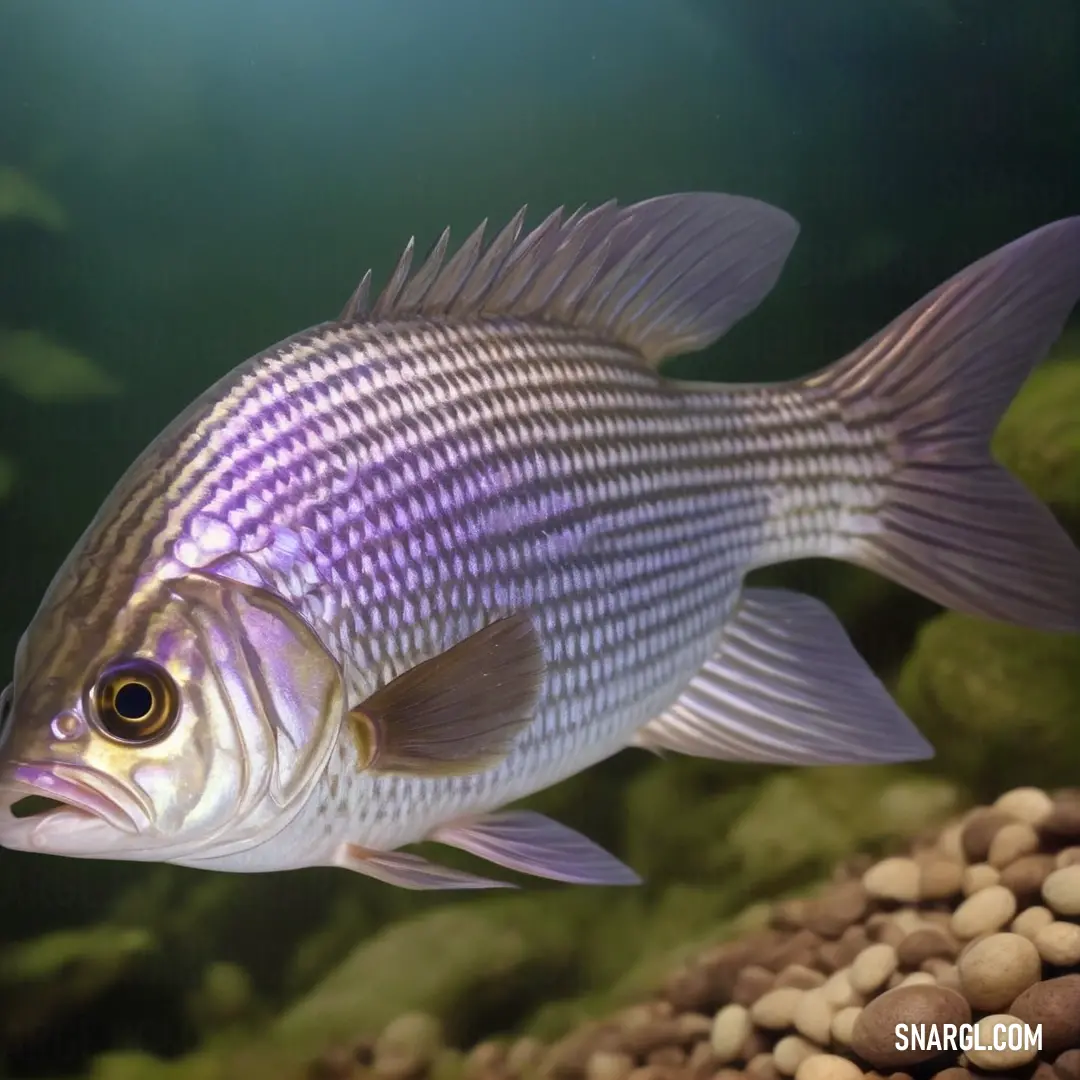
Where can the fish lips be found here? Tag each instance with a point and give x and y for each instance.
(77, 790)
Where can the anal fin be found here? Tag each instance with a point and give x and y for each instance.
(526, 841)
(408, 871)
(786, 686)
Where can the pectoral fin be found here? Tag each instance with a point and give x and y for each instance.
(786, 686)
(533, 844)
(408, 871)
(457, 712)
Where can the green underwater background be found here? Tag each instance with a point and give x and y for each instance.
(181, 184)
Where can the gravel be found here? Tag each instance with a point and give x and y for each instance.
(979, 923)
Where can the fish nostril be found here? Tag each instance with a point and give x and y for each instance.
(33, 806)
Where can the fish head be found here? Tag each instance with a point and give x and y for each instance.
(192, 720)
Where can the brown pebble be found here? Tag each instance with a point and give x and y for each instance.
(523, 1055)
(1054, 1003)
(979, 876)
(953, 1072)
(1061, 891)
(945, 973)
(895, 879)
(841, 906)
(986, 1056)
(790, 1052)
(483, 1059)
(643, 1038)
(1067, 1065)
(980, 828)
(940, 878)
(666, 1055)
(762, 1067)
(702, 1062)
(984, 912)
(757, 1042)
(775, 1010)
(690, 988)
(729, 1074)
(753, 981)
(800, 976)
(852, 942)
(730, 1029)
(654, 1072)
(926, 944)
(874, 1035)
(1024, 877)
(609, 1065)
(996, 969)
(1063, 822)
(789, 914)
(828, 1067)
(800, 948)
(1028, 804)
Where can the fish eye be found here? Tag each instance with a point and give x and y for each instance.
(135, 701)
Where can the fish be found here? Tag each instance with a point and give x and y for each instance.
(403, 569)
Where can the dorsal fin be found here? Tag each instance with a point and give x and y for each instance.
(665, 276)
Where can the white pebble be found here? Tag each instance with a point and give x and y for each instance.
(986, 1057)
(843, 1024)
(813, 1016)
(730, 1030)
(893, 879)
(979, 876)
(828, 1067)
(838, 991)
(790, 1052)
(1031, 920)
(1059, 944)
(1011, 842)
(775, 1010)
(984, 912)
(1061, 891)
(872, 967)
(1029, 804)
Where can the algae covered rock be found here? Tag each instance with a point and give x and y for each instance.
(1039, 437)
(463, 964)
(998, 703)
(45, 979)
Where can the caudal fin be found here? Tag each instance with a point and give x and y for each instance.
(955, 526)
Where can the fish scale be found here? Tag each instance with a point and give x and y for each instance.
(406, 567)
(663, 490)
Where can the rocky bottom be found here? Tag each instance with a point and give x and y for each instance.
(977, 924)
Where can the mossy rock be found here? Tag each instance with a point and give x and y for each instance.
(473, 965)
(1039, 438)
(999, 704)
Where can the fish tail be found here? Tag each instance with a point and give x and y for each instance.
(948, 521)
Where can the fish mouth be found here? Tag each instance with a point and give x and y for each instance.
(37, 791)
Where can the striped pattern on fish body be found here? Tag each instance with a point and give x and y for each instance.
(414, 476)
